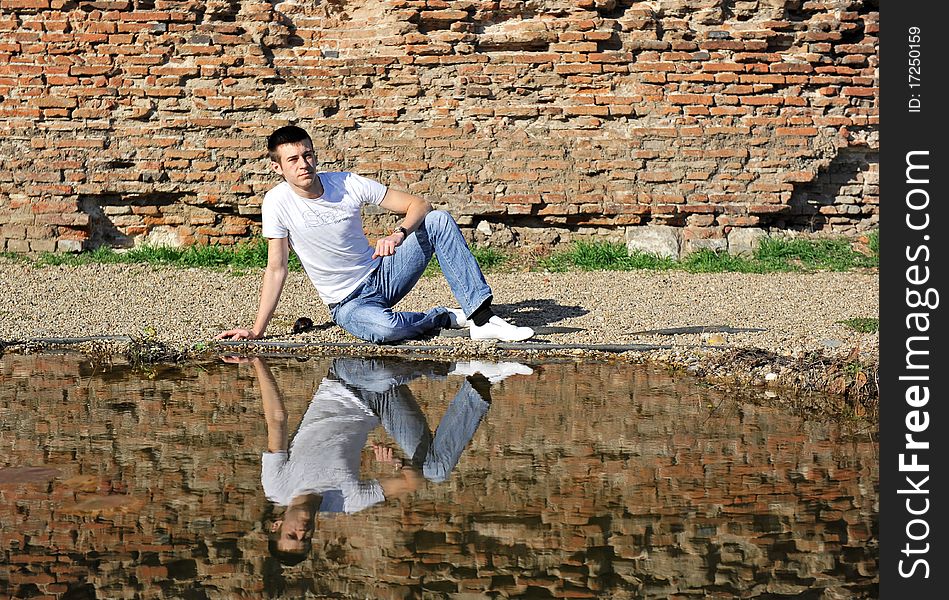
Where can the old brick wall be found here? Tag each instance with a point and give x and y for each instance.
(123, 121)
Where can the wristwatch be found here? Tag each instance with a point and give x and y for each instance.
(405, 232)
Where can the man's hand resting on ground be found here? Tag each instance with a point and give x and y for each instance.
(387, 245)
(385, 455)
(407, 481)
(238, 334)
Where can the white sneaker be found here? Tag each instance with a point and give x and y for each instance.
(458, 320)
(494, 372)
(499, 329)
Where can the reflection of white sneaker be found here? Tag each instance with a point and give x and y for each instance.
(458, 320)
(495, 372)
(499, 329)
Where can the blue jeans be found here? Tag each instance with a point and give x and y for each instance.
(367, 312)
(381, 385)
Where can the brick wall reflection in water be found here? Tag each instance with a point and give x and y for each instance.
(593, 480)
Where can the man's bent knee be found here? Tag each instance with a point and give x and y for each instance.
(439, 218)
(436, 472)
(367, 324)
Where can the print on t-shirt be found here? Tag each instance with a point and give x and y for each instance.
(317, 216)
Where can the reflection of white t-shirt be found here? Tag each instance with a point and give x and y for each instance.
(324, 455)
(326, 232)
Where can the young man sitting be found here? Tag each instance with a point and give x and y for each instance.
(318, 215)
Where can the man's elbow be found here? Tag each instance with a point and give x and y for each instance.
(425, 206)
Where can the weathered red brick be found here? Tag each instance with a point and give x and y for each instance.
(704, 99)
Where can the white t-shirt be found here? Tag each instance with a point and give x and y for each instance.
(326, 232)
(324, 455)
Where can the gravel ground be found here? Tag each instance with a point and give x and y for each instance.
(797, 314)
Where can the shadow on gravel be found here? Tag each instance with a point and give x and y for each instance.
(540, 312)
(698, 329)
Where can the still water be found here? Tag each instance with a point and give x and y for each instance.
(421, 479)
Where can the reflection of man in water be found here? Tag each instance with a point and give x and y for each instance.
(319, 470)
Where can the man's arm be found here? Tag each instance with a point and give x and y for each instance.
(414, 209)
(278, 252)
(274, 410)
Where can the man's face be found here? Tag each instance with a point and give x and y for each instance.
(296, 162)
(295, 529)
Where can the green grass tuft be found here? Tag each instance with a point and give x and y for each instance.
(14, 256)
(603, 256)
(862, 324)
(874, 243)
(599, 256)
(489, 259)
(706, 261)
(243, 256)
(773, 255)
(811, 255)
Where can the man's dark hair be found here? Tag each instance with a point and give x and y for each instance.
(291, 134)
(288, 559)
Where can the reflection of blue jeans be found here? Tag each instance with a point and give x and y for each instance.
(381, 385)
(367, 312)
